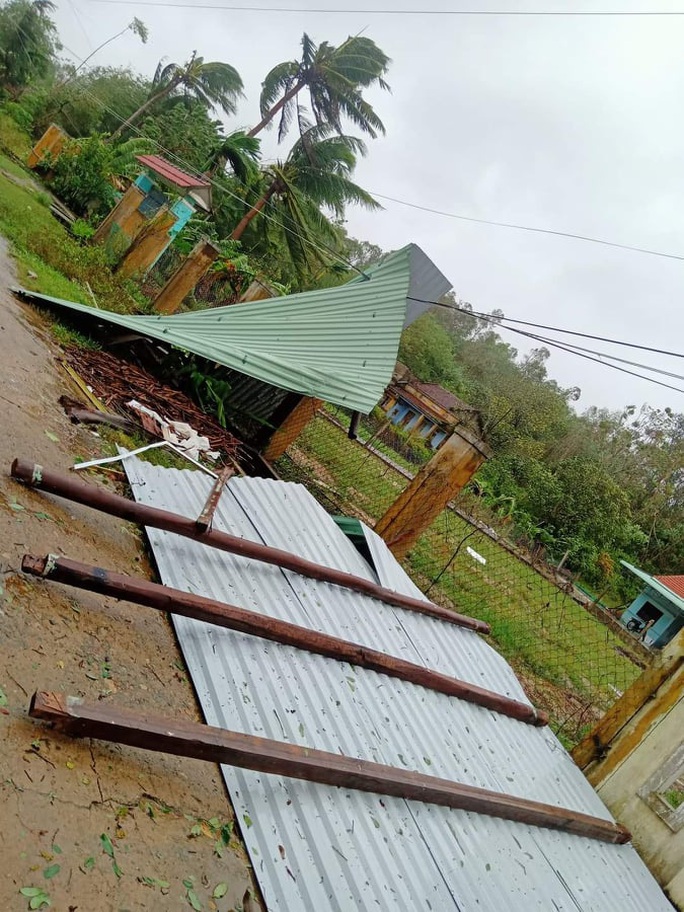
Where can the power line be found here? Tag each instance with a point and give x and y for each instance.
(501, 320)
(580, 354)
(565, 234)
(406, 12)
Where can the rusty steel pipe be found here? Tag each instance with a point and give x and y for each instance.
(163, 598)
(216, 745)
(79, 491)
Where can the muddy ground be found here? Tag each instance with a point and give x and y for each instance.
(95, 826)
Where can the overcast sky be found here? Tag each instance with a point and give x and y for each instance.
(573, 124)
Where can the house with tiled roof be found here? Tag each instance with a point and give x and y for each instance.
(657, 613)
(426, 410)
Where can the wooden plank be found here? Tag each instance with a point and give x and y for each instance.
(203, 742)
(162, 598)
(38, 476)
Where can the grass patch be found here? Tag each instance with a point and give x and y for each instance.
(13, 140)
(62, 265)
(67, 336)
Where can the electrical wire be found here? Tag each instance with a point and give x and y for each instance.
(571, 332)
(565, 234)
(404, 12)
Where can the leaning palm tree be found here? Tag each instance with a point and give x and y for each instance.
(213, 84)
(316, 174)
(240, 152)
(334, 77)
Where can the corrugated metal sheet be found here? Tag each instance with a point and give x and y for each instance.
(171, 173)
(337, 344)
(320, 848)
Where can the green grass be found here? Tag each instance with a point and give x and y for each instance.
(13, 140)
(64, 267)
(534, 623)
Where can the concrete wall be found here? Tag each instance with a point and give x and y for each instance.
(641, 751)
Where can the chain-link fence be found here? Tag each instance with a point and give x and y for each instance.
(572, 655)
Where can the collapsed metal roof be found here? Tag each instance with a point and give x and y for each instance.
(337, 344)
(326, 848)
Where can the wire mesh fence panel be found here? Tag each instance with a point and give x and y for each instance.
(573, 658)
(573, 662)
(361, 477)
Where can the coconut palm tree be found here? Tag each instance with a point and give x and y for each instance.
(334, 77)
(316, 174)
(213, 84)
(238, 150)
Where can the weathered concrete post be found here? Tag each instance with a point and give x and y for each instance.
(50, 143)
(443, 476)
(119, 219)
(292, 427)
(149, 244)
(186, 277)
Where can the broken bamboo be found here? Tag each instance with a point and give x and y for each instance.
(216, 745)
(163, 598)
(73, 489)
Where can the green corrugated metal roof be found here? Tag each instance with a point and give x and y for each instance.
(337, 344)
(671, 596)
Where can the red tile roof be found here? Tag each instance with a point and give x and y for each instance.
(443, 397)
(170, 173)
(673, 583)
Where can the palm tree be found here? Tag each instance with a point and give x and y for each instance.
(317, 173)
(334, 77)
(238, 150)
(213, 84)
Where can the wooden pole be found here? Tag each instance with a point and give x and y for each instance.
(162, 598)
(216, 745)
(421, 502)
(291, 427)
(120, 215)
(206, 517)
(91, 496)
(186, 277)
(596, 745)
(149, 244)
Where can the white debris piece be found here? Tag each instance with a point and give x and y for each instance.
(178, 433)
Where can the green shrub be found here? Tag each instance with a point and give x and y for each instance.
(80, 176)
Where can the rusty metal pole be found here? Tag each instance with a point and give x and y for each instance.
(204, 742)
(74, 489)
(163, 598)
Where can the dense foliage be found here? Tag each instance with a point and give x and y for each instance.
(591, 488)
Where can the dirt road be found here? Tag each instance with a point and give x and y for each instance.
(95, 826)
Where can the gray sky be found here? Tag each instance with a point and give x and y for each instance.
(573, 124)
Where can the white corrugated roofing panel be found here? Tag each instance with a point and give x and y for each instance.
(323, 848)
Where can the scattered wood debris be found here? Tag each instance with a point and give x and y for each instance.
(116, 381)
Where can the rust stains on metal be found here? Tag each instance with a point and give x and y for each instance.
(143, 592)
(203, 742)
(206, 517)
(91, 496)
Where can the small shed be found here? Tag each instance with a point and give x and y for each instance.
(426, 409)
(658, 611)
(152, 212)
